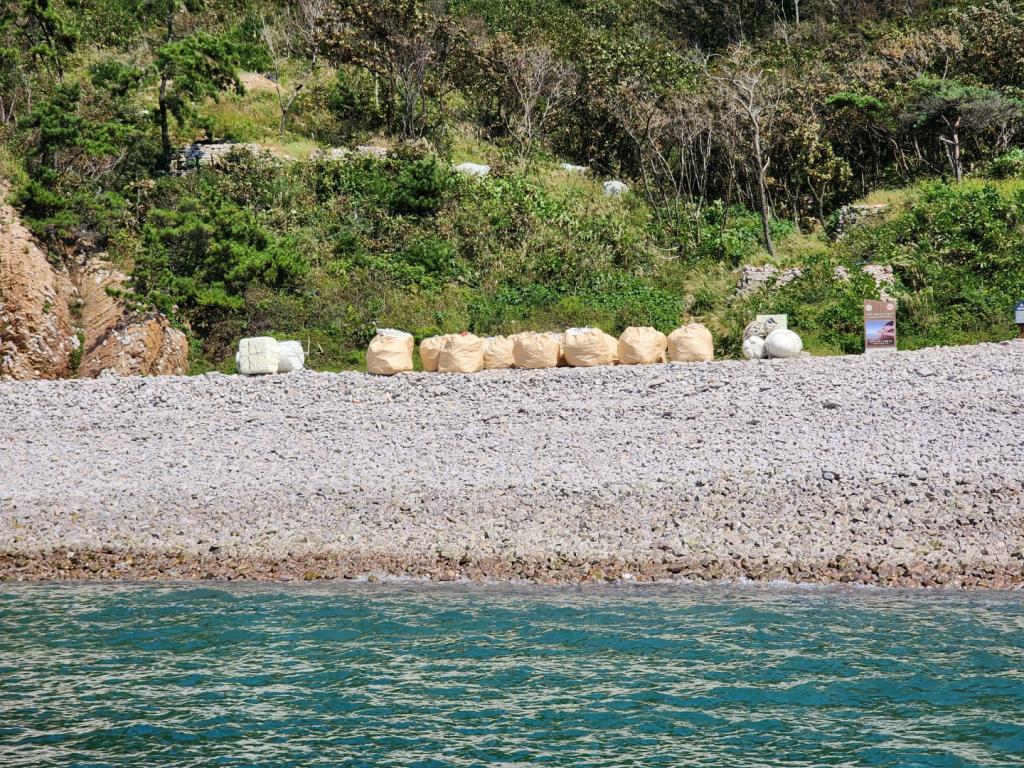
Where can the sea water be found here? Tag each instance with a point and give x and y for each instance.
(420, 675)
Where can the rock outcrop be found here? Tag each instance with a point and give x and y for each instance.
(117, 340)
(144, 345)
(753, 278)
(57, 322)
(37, 336)
(852, 215)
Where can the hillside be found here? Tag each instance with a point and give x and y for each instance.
(754, 139)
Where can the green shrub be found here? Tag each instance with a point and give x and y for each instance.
(1007, 166)
(199, 258)
(420, 187)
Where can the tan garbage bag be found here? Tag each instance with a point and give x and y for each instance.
(461, 353)
(430, 348)
(390, 352)
(498, 352)
(642, 346)
(691, 343)
(536, 350)
(562, 362)
(585, 347)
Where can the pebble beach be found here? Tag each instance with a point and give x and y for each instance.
(901, 469)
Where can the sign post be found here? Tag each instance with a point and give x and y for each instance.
(879, 325)
(1018, 317)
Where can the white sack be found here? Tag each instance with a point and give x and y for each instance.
(783, 343)
(257, 355)
(586, 347)
(642, 346)
(753, 348)
(290, 356)
(498, 352)
(390, 352)
(691, 343)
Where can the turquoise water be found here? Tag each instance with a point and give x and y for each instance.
(408, 675)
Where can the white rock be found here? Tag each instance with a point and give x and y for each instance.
(257, 355)
(290, 356)
(372, 151)
(753, 348)
(783, 343)
(473, 169)
(572, 168)
(614, 188)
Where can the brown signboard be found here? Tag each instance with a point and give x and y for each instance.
(879, 325)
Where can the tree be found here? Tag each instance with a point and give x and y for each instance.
(946, 109)
(754, 100)
(202, 254)
(535, 84)
(404, 45)
(675, 140)
(35, 38)
(189, 67)
(294, 36)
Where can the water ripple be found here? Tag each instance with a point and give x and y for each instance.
(418, 675)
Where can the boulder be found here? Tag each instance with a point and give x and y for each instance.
(473, 169)
(571, 168)
(642, 346)
(370, 150)
(614, 188)
(37, 335)
(691, 343)
(39, 332)
(138, 345)
(120, 341)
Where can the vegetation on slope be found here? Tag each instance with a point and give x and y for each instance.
(741, 126)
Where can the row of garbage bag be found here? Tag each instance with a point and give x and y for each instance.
(390, 352)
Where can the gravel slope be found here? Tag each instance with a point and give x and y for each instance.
(896, 469)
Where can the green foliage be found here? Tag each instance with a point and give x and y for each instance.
(74, 178)
(420, 187)
(1007, 166)
(956, 254)
(96, 95)
(200, 257)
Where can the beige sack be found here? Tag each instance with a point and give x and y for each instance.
(586, 347)
(642, 346)
(498, 352)
(430, 348)
(691, 343)
(561, 348)
(461, 353)
(536, 350)
(390, 352)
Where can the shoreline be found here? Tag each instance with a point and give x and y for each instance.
(894, 470)
(113, 566)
